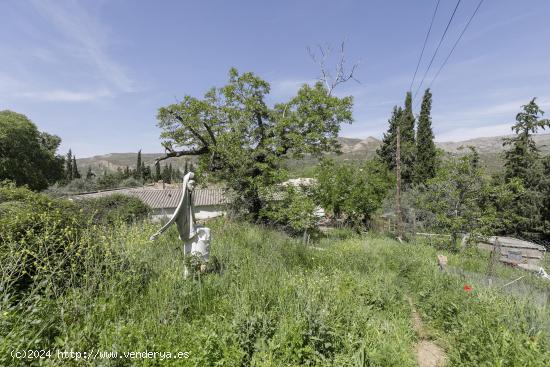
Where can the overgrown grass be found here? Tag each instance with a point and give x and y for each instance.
(275, 303)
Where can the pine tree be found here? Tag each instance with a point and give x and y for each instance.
(74, 167)
(426, 154)
(69, 166)
(386, 151)
(522, 161)
(404, 118)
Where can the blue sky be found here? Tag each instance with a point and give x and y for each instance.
(96, 72)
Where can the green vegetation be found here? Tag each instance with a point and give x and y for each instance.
(352, 192)
(426, 162)
(28, 156)
(244, 142)
(274, 302)
(112, 209)
(402, 118)
(522, 162)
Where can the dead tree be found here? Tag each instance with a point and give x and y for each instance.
(340, 75)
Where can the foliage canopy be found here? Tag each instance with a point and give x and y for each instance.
(240, 138)
(28, 156)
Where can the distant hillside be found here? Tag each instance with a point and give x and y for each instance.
(352, 149)
(113, 161)
(483, 145)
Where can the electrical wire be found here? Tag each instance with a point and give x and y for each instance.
(424, 46)
(437, 49)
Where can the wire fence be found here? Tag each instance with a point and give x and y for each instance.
(521, 286)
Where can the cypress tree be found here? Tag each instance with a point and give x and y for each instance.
(75, 173)
(408, 146)
(69, 166)
(165, 174)
(426, 153)
(186, 168)
(158, 176)
(138, 173)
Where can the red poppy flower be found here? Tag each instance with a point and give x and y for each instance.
(467, 288)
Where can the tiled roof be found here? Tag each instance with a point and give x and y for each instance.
(164, 198)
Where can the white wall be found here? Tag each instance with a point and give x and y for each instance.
(201, 212)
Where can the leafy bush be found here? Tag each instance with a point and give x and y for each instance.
(131, 182)
(40, 240)
(352, 192)
(111, 209)
(295, 213)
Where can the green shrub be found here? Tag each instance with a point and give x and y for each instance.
(114, 208)
(39, 239)
(295, 213)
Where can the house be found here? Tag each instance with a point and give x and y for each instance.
(208, 203)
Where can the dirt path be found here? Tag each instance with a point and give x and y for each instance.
(428, 354)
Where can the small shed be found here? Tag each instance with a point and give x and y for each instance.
(513, 251)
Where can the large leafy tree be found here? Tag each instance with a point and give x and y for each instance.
(28, 156)
(426, 153)
(244, 141)
(461, 200)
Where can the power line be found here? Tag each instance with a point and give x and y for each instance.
(456, 43)
(437, 49)
(424, 46)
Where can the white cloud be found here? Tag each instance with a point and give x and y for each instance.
(88, 40)
(286, 88)
(475, 132)
(61, 95)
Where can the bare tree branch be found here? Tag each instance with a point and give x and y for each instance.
(341, 75)
(172, 153)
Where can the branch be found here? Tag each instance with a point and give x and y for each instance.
(341, 75)
(172, 153)
(193, 131)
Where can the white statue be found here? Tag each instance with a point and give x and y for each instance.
(196, 238)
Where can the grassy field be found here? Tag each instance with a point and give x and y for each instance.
(275, 303)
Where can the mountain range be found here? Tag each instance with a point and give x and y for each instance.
(490, 149)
